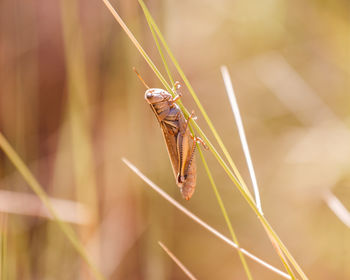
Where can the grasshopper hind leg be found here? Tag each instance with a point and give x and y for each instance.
(189, 185)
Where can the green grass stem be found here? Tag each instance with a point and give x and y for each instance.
(160, 52)
(225, 214)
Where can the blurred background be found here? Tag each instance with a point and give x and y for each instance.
(72, 107)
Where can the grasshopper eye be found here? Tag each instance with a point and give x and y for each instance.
(149, 95)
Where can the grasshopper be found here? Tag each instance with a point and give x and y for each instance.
(180, 143)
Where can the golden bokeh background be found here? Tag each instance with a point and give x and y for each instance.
(72, 107)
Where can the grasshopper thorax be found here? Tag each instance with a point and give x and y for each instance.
(156, 95)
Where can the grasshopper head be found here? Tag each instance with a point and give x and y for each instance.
(155, 95)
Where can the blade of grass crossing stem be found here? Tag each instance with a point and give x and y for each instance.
(177, 261)
(281, 255)
(240, 183)
(199, 221)
(224, 212)
(337, 207)
(36, 187)
(239, 124)
(218, 197)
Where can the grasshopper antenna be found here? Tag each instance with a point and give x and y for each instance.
(138, 75)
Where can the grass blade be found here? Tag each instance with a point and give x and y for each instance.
(200, 222)
(137, 44)
(161, 53)
(176, 260)
(239, 123)
(338, 208)
(224, 213)
(29, 204)
(36, 187)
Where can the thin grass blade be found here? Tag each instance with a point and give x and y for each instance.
(137, 44)
(338, 208)
(235, 109)
(200, 222)
(176, 260)
(36, 187)
(224, 213)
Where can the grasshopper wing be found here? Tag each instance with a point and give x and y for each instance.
(170, 140)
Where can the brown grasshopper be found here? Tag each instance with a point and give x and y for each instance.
(179, 141)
